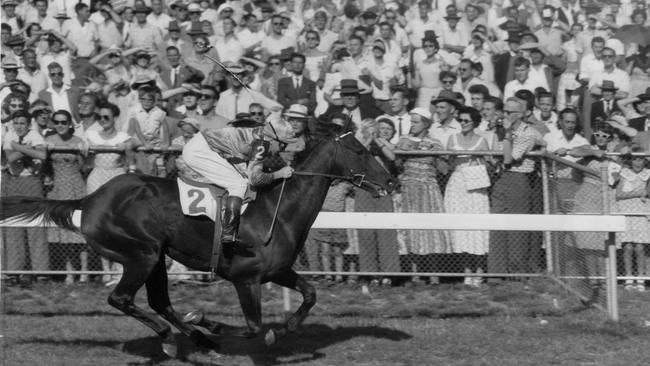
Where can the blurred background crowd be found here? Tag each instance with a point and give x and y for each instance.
(568, 77)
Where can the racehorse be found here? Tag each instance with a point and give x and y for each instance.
(137, 220)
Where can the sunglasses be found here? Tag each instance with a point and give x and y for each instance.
(447, 81)
(58, 122)
(206, 96)
(274, 63)
(14, 105)
(601, 135)
(277, 24)
(609, 56)
(510, 112)
(257, 113)
(114, 55)
(56, 74)
(464, 120)
(104, 117)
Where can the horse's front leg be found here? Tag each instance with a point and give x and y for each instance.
(250, 299)
(294, 281)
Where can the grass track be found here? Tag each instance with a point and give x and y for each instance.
(509, 324)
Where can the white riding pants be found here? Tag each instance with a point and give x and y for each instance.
(198, 155)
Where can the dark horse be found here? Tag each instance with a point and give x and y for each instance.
(135, 220)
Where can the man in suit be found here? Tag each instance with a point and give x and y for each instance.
(603, 108)
(177, 73)
(297, 89)
(504, 62)
(642, 123)
(60, 95)
(352, 105)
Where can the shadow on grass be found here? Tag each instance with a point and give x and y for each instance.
(303, 346)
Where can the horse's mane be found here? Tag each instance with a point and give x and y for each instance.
(322, 131)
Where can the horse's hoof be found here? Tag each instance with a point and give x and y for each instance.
(270, 337)
(169, 347)
(194, 317)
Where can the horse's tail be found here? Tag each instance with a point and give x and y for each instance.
(58, 212)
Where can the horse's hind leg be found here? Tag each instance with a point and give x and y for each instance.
(133, 277)
(250, 299)
(158, 297)
(296, 282)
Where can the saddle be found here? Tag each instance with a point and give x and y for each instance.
(206, 199)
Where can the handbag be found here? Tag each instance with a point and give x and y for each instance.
(475, 177)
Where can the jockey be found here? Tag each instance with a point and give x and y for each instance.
(212, 153)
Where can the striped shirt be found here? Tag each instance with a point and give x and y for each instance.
(523, 141)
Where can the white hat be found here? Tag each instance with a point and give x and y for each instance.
(194, 8)
(423, 112)
(297, 111)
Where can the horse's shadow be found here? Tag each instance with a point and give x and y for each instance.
(303, 346)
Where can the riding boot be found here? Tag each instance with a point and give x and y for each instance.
(231, 220)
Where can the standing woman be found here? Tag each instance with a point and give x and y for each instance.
(68, 184)
(108, 165)
(426, 76)
(459, 199)
(421, 192)
(314, 58)
(589, 199)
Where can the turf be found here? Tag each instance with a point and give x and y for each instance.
(533, 323)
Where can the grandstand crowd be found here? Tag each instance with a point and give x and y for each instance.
(565, 76)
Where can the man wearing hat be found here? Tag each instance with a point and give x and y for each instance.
(444, 107)
(174, 37)
(10, 67)
(454, 38)
(9, 15)
(297, 89)
(603, 108)
(142, 34)
(238, 99)
(642, 123)
(352, 104)
(548, 36)
(17, 44)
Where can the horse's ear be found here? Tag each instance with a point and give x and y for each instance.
(324, 129)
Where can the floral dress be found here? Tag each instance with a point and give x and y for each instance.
(460, 200)
(107, 165)
(421, 194)
(68, 184)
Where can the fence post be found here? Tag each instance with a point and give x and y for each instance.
(610, 267)
(548, 245)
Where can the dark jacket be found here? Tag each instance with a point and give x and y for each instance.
(639, 123)
(598, 110)
(288, 95)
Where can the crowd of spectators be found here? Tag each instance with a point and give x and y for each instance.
(567, 76)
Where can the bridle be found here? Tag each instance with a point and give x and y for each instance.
(355, 178)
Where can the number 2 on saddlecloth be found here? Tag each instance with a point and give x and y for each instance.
(197, 197)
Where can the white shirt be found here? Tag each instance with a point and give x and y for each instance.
(230, 49)
(231, 103)
(539, 76)
(161, 21)
(248, 38)
(83, 36)
(620, 78)
(556, 140)
(590, 66)
(36, 80)
(514, 86)
(402, 125)
(275, 45)
(443, 133)
(60, 100)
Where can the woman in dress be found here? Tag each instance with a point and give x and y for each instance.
(68, 184)
(426, 76)
(314, 58)
(589, 258)
(460, 199)
(421, 193)
(108, 165)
